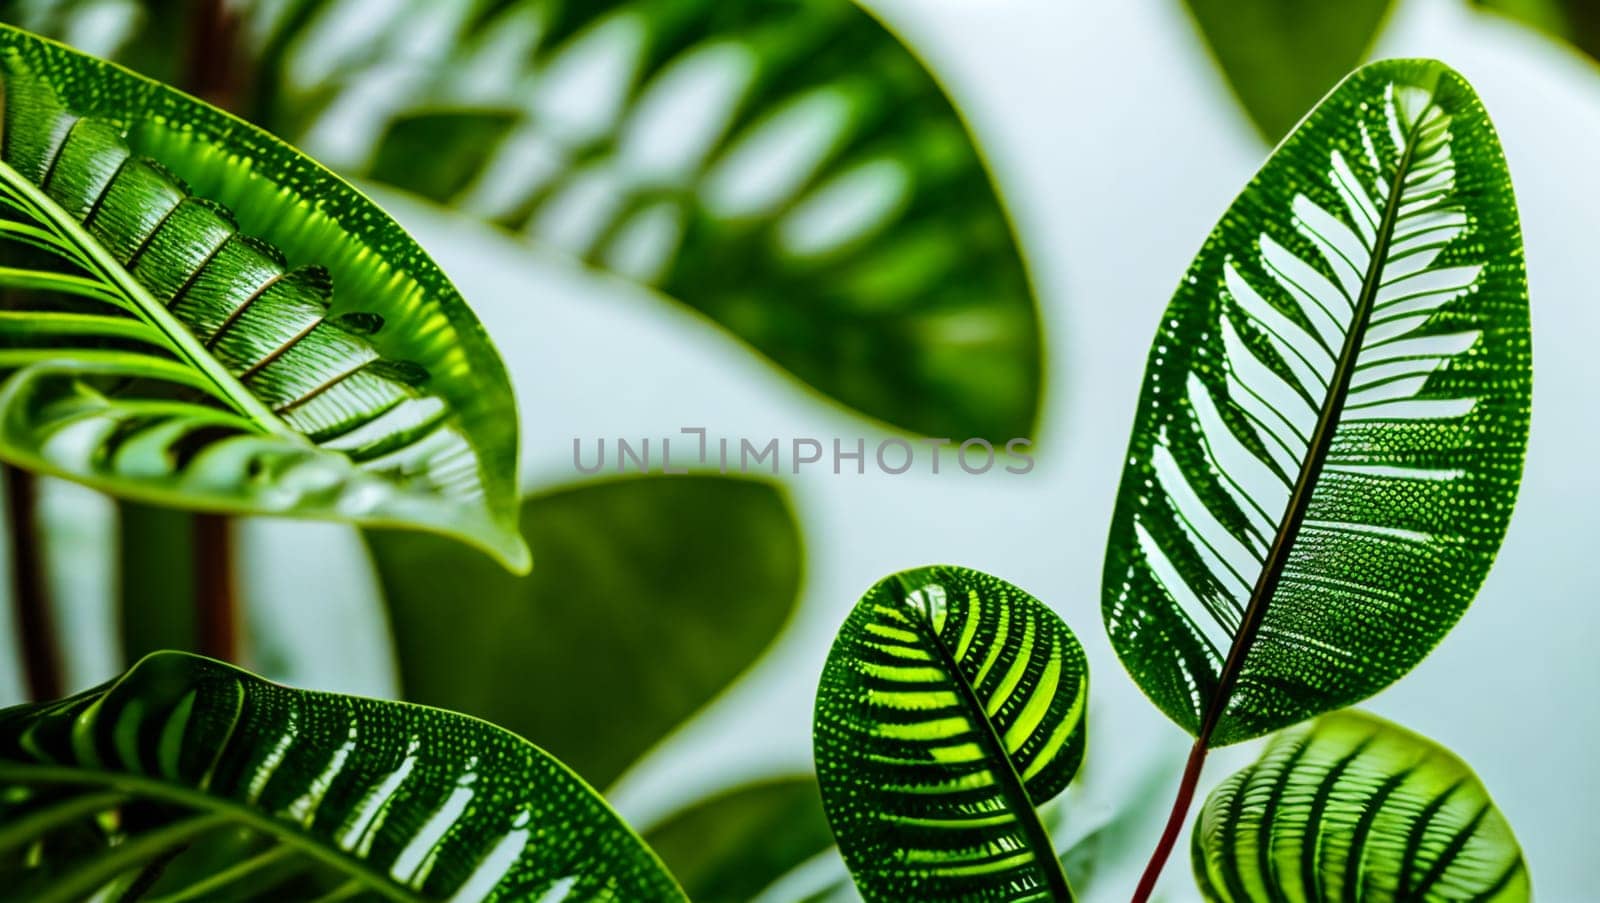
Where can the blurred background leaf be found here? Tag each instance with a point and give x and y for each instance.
(1575, 21)
(787, 168)
(1281, 56)
(651, 594)
(731, 846)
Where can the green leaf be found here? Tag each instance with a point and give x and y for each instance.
(1575, 21)
(788, 168)
(194, 780)
(200, 316)
(1332, 427)
(1280, 58)
(952, 704)
(652, 595)
(733, 845)
(1352, 807)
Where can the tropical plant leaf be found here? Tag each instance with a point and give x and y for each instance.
(1332, 427)
(200, 316)
(189, 779)
(1280, 58)
(1352, 807)
(729, 847)
(1575, 21)
(652, 595)
(952, 704)
(787, 168)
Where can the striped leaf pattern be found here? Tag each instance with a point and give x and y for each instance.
(1334, 416)
(951, 705)
(1354, 808)
(187, 779)
(194, 314)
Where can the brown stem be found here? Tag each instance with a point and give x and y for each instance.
(213, 76)
(1180, 812)
(41, 657)
(215, 594)
(210, 72)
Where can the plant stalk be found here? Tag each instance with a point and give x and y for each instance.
(216, 593)
(1175, 821)
(41, 656)
(212, 74)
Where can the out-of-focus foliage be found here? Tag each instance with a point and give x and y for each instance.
(1281, 56)
(786, 167)
(1352, 807)
(188, 779)
(651, 595)
(1331, 432)
(735, 844)
(1577, 21)
(198, 315)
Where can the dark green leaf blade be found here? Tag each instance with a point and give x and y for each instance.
(366, 796)
(219, 323)
(1280, 58)
(952, 704)
(729, 847)
(1332, 428)
(1352, 807)
(652, 595)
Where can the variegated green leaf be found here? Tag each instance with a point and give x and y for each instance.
(197, 315)
(1331, 433)
(952, 704)
(1354, 808)
(188, 780)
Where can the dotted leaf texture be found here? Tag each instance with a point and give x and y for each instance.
(951, 705)
(197, 315)
(188, 779)
(787, 168)
(1334, 415)
(1354, 808)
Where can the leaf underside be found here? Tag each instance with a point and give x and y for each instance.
(787, 168)
(1332, 428)
(1354, 808)
(188, 779)
(196, 315)
(952, 704)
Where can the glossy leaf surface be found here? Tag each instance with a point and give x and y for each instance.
(952, 704)
(1332, 427)
(652, 594)
(788, 168)
(199, 316)
(1352, 807)
(1281, 57)
(190, 779)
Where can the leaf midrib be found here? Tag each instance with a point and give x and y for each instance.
(1321, 442)
(140, 785)
(1016, 792)
(177, 335)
